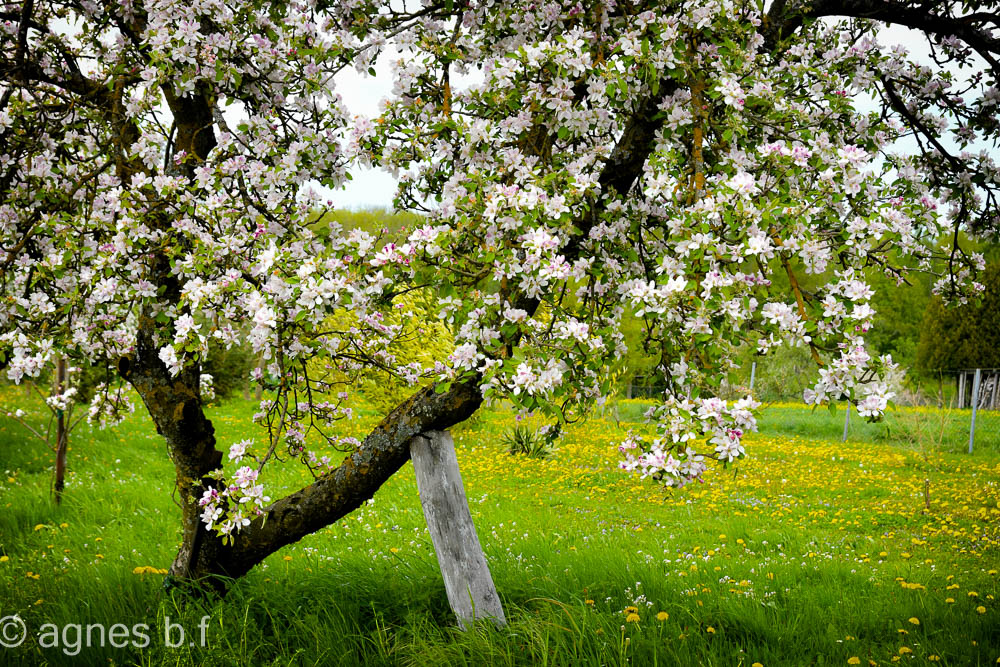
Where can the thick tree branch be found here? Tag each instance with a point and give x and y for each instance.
(362, 473)
(90, 91)
(786, 17)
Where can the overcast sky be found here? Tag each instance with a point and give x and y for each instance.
(370, 188)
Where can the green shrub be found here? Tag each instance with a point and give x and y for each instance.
(523, 440)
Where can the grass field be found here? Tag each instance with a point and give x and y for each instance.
(881, 550)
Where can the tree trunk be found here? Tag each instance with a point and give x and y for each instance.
(62, 434)
(258, 390)
(174, 403)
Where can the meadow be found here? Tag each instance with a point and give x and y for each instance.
(881, 550)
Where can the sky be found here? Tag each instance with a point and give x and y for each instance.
(370, 188)
(363, 94)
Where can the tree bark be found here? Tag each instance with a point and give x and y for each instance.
(62, 434)
(174, 403)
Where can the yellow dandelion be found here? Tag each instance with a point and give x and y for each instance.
(287, 558)
(903, 650)
(854, 660)
(914, 620)
(980, 609)
(662, 616)
(39, 527)
(710, 630)
(394, 550)
(756, 664)
(631, 610)
(589, 602)
(632, 618)
(4, 559)
(933, 658)
(64, 525)
(950, 600)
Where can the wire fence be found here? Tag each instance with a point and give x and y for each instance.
(957, 410)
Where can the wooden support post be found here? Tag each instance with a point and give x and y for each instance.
(847, 421)
(467, 579)
(975, 405)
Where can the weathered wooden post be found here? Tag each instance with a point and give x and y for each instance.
(467, 579)
(975, 405)
(847, 421)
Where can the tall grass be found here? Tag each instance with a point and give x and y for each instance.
(809, 552)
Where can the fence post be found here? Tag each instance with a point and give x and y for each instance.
(753, 374)
(961, 389)
(847, 421)
(975, 404)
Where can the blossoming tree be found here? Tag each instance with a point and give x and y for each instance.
(163, 165)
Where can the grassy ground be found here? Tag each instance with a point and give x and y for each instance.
(810, 552)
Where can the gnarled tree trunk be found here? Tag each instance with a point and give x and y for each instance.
(175, 405)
